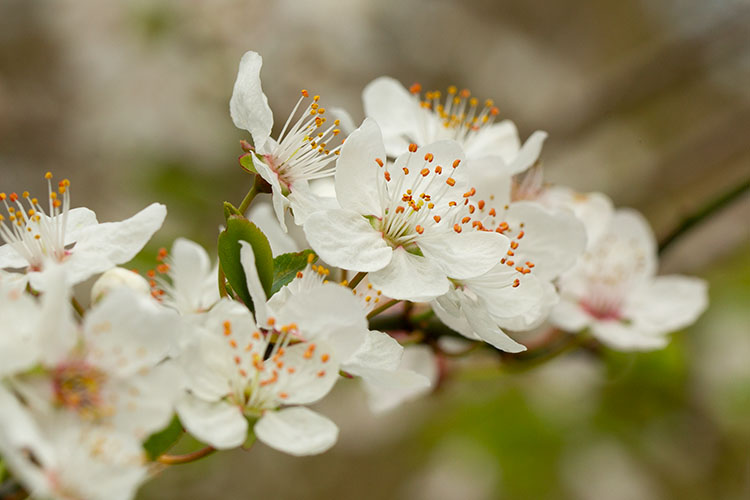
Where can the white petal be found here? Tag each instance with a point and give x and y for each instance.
(127, 332)
(529, 153)
(118, 242)
(322, 309)
(145, 403)
(498, 140)
(254, 286)
(262, 215)
(11, 259)
(464, 255)
(19, 339)
(492, 179)
(631, 226)
(192, 274)
(667, 303)
(534, 316)
(305, 202)
(594, 210)
(346, 239)
(410, 277)
(297, 431)
(627, 337)
(357, 171)
(568, 315)
(417, 359)
(218, 424)
(379, 350)
(312, 377)
(249, 106)
(78, 219)
(395, 110)
(553, 239)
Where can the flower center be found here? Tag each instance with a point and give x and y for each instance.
(417, 199)
(78, 386)
(267, 372)
(30, 231)
(458, 117)
(302, 151)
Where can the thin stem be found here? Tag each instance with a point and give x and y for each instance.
(249, 197)
(356, 279)
(77, 306)
(703, 213)
(382, 308)
(186, 458)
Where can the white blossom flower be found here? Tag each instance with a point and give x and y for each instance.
(405, 117)
(401, 222)
(613, 290)
(58, 457)
(303, 150)
(185, 280)
(109, 370)
(72, 237)
(378, 360)
(238, 371)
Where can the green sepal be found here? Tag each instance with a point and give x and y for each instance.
(246, 162)
(160, 442)
(287, 265)
(230, 210)
(240, 229)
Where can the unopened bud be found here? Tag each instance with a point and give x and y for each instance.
(116, 278)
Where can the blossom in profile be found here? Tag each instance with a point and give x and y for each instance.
(302, 152)
(411, 116)
(614, 291)
(402, 222)
(69, 236)
(185, 279)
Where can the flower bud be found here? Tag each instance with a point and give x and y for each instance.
(118, 277)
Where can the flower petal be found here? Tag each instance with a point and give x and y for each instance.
(418, 360)
(118, 242)
(218, 424)
(298, 431)
(529, 153)
(357, 171)
(262, 215)
(410, 277)
(254, 286)
(498, 140)
(346, 239)
(568, 315)
(624, 337)
(667, 303)
(395, 110)
(464, 255)
(249, 106)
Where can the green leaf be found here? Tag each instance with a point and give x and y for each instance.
(246, 162)
(157, 444)
(287, 265)
(230, 210)
(240, 229)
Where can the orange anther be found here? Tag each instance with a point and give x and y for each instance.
(379, 161)
(450, 181)
(419, 229)
(456, 163)
(457, 228)
(425, 172)
(438, 170)
(412, 148)
(305, 93)
(416, 88)
(429, 157)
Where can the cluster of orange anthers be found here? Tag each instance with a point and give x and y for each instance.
(161, 268)
(20, 216)
(317, 140)
(459, 109)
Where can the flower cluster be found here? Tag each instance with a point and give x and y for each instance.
(431, 210)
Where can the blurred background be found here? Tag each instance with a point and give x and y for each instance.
(646, 101)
